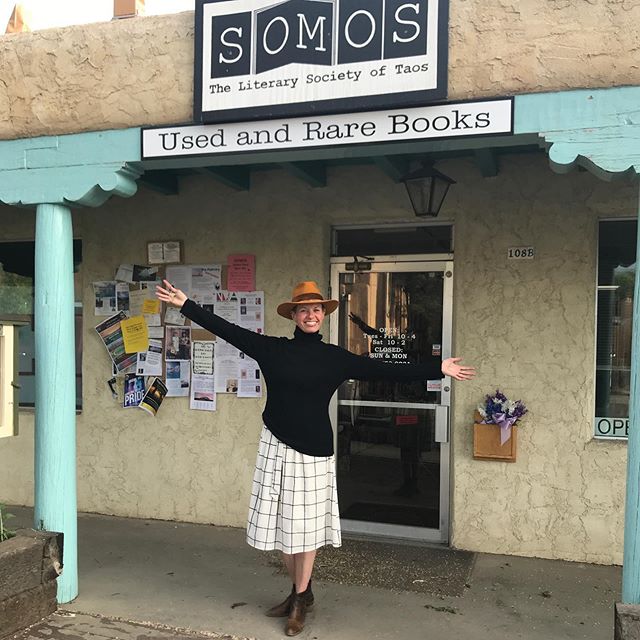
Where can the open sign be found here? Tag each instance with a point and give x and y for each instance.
(608, 428)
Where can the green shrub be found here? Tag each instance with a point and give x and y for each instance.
(5, 533)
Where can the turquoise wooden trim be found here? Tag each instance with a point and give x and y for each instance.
(631, 552)
(596, 129)
(55, 419)
(83, 169)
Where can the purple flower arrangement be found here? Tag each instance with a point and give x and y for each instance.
(498, 409)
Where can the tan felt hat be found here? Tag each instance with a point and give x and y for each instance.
(306, 292)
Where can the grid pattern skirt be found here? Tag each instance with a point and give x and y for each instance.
(294, 501)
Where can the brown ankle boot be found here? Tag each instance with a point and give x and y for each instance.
(297, 615)
(282, 610)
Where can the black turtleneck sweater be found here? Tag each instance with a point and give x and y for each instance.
(301, 375)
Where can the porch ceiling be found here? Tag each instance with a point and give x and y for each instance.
(312, 166)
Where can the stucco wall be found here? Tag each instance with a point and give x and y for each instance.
(529, 327)
(109, 75)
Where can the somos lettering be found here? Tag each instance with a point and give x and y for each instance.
(317, 32)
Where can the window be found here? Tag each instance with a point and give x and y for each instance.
(616, 281)
(8, 386)
(16, 305)
(387, 240)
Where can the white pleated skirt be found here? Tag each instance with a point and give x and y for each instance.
(294, 500)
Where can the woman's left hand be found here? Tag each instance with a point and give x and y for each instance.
(450, 367)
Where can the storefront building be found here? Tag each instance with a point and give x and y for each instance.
(527, 272)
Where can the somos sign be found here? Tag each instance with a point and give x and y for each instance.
(264, 58)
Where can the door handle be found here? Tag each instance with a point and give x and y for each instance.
(442, 424)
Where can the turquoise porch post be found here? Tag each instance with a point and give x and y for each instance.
(55, 424)
(53, 174)
(631, 557)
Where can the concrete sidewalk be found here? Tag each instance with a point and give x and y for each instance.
(206, 579)
(67, 625)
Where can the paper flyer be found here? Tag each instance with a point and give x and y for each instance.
(205, 281)
(135, 334)
(226, 306)
(156, 332)
(143, 273)
(153, 397)
(104, 298)
(125, 273)
(221, 307)
(241, 274)
(150, 305)
(173, 316)
(153, 319)
(137, 299)
(177, 379)
(122, 296)
(251, 310)
(133, 390)
(202, 357)
(110, 332)
(226, 367)
(150, 362)
(171, 250)
(249, 378)
(136, 273)
(198, 281)
(177, 343)
(163, 252)
(203, 395)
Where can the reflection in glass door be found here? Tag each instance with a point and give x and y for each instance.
(392, 437)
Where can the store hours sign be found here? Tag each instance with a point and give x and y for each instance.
(268, 58)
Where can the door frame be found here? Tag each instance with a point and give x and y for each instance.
(404, 264)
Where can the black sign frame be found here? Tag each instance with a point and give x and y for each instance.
(321, 107)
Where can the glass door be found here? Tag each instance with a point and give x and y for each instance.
(392, 438)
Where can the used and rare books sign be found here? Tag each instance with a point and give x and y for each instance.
(268, 58)
(443, 121)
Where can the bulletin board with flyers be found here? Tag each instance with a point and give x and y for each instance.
(157, 353)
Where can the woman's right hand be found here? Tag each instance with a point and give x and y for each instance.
(171, 295)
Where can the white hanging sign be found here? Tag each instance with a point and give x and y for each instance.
(453, 120)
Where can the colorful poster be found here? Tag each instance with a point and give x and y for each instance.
(133, 390)
(110, 332)
(241, 274)
(153, 397)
